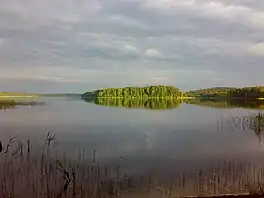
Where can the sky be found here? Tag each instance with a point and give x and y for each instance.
(80, 45)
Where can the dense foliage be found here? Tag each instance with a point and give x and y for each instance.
(158, 103)
(169, 91)
(136, 92)
(246, 92)
(211, 92)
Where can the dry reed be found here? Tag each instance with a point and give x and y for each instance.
(41, 173)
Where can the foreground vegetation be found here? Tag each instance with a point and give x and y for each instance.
(30, 171)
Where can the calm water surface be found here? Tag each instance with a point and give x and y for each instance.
(136, 137)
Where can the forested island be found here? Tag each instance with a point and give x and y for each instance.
(161, 91)
(136, 92)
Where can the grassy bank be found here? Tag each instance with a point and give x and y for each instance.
(11, 103)
(17, 94)
(27, 170)
(15, 97)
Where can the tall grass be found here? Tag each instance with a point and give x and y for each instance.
(32, 172)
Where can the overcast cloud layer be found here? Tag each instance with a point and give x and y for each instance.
(78, 45)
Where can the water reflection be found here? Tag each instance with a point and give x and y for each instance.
(252, 122)
(154, 103)
(257, 124)
(176, 148)
(230, 103)
(162, 103)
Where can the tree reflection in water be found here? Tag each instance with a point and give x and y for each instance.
(146, 103)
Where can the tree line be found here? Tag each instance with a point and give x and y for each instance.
(161, 91)
(248, 92)
(210, 92)
(229, 92)
(136, 92)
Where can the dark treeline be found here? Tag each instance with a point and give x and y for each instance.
(147, 103)
(245, 92)
(248, 92)
(136, 92)
(211, 92)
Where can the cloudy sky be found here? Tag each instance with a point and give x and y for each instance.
(78, 45)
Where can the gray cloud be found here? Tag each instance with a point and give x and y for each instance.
(90, 44)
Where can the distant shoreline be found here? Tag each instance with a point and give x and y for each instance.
(180, 98)
(19, 96)
(153, 91)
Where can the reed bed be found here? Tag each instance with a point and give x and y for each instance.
(41, 172)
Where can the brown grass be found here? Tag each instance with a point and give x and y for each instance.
(42, 173)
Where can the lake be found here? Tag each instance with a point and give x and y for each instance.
(188, 136)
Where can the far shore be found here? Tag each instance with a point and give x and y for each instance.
(18, 96)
